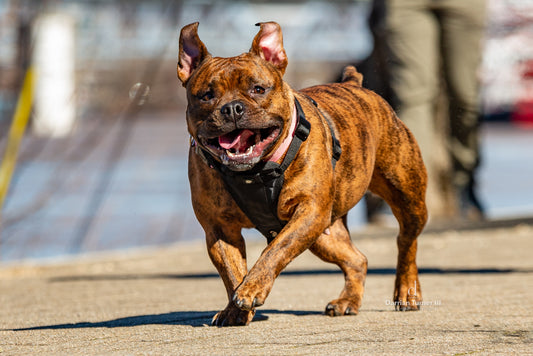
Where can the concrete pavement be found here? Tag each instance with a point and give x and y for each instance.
(477, 288)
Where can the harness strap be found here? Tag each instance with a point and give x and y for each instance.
(303, 129)
(337, 150)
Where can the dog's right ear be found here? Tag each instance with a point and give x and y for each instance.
(192, 52)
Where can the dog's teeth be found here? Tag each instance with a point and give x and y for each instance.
(239, 153)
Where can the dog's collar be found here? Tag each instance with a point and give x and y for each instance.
(296, 137)
(282, 149)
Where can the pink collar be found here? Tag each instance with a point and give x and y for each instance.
(282, 149)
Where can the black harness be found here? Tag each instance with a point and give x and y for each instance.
(257, 191)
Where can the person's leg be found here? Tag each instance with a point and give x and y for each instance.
(413, 42)
(463, 26)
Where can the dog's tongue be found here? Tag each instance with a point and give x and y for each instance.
(238, 141)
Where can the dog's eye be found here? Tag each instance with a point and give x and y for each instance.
(207, 96)
(258, 90)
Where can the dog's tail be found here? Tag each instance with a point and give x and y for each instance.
(351, 74)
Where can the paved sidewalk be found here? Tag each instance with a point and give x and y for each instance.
(477, 289)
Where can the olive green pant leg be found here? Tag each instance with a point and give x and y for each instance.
(463, 26)
(414, 67)
(413, 42)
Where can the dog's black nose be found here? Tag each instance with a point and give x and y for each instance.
(233, 110)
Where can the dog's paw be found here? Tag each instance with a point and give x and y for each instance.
(342, 306)
(247, 302)
(233, 316)
(407, 304)
(407, 295)
(250, 295)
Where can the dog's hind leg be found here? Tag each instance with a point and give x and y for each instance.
(400, 179)
(336, 247)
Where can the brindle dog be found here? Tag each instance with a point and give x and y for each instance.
(240, 115)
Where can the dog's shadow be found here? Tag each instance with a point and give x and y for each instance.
(187, 318)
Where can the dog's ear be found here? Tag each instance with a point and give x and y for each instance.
(192, 52)
(268, 44)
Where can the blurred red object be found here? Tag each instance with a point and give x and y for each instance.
(523, 111)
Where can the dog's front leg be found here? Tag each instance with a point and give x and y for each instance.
(228, 253)
(303, 229)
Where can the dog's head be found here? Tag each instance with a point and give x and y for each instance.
(239, 108)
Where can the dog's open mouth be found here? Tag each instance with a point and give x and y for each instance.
(241, 149)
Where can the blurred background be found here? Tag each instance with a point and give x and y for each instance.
(102, 164)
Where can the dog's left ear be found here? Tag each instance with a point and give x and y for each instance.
(191, 53)
(268, 44)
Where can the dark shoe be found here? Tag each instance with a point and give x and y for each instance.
(470, 207)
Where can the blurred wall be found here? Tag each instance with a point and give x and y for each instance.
(122, 42)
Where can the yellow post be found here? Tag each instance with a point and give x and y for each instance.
(16, 132)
